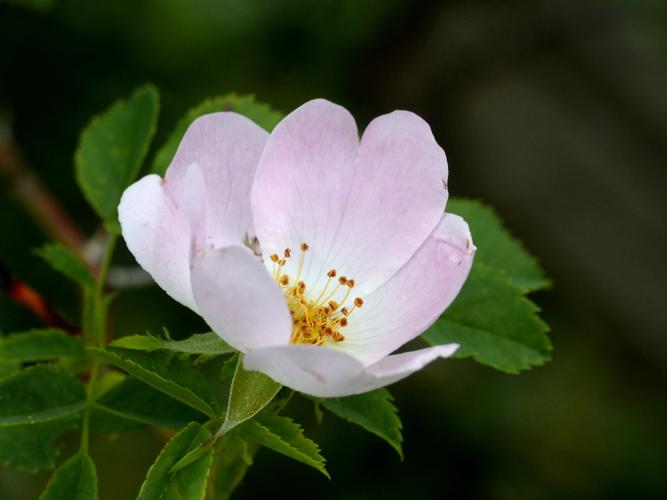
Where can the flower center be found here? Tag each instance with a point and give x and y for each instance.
(320, 320)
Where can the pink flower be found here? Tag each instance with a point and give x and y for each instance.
(315, 254)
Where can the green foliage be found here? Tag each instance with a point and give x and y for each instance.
(176, 377)
(282, 435)
(8, 366)
(246, 105)
(76, 479)
(203, 344)
(374, 411)
(133, 401)
(496, 247)
(494, 323)
(63, 260)
(189, 482)
(249, 393)
(39, 394)
(40, 345)
(231, 460)
(30, 446)
(112, 148)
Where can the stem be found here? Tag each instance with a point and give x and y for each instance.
(94, 329)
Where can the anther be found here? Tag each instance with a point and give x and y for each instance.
(358, 302)
(282, 262)
(333, 305)
(332, 273)
(350, 283)
(304, 247)
(288, 253)
(275, 257)
(343, 322)
(284, 280)
(342, 280)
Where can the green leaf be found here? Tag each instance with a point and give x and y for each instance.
(134, 401)
(188, 483)
(112, 148)
(39, 345)
(246, 105)
(30, 446)
(374, 411)
(76, 479)
(249, 393)
(494, 323)
(496, 247)
(8, 367)
(63, 260)
(208, 344)
(282, 435)
(165, 372)
(231, 460)
(39, 394)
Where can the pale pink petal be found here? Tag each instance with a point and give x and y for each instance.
(238, 299)
(413, 298)
(327, 373)
(363, 209)
(158, 236)
(226, 147)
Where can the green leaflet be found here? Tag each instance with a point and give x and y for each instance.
(374, 411)
(496, 247)
(64, 261)
(76, 479)
(246, 105)
(189, 483)
(167, 373)
(30, 446)
(494, 323)
(249, 393)
(135, 402)
(40, 345)
(112, 148)
(231, 460)
(282, 435)
(208, 344)
(39, 394)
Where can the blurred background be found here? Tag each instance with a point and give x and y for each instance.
(554, 112)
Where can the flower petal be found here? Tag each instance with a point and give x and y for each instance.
(239, 300)
(226, 147)
(327, 373)
(364, 209)
(415, 297)
(158, 236)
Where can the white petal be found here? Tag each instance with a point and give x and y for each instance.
(415, 297)
(327, 373)
(158, 236)
(239, 300)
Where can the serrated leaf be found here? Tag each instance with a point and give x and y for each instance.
(112, 148)
(64, 261)
(40, 345)
(76, 479)
(167, 373)
(39, 394)
(249, 393)
(230, 464)
(189, 483)
(494, 323)
(246, 105)
(31, 446)
(133, 401)
(208, 344)
(374, 411)
(496, 247)
(284, 436)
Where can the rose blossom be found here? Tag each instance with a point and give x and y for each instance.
(312, 252)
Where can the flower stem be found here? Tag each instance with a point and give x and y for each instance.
(94, 330)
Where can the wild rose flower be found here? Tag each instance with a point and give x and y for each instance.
(315, 254)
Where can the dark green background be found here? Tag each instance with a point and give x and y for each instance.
(554, 112)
